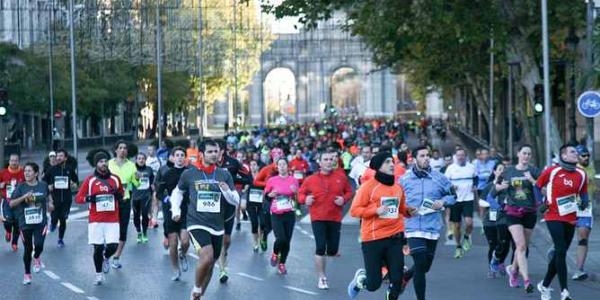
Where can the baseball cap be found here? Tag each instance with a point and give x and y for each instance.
(581, 149)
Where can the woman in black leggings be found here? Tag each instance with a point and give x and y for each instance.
(141, 198)
(494, 224)
(253, 206)
(30, 203)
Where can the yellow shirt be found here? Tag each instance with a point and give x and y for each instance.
(126, 173)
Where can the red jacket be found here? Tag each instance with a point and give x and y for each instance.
(11, 177)
(561, 183)
(299, 164)
(92, 186)
(324, 189)
(265, 173)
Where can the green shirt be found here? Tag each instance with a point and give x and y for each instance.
(126, 173)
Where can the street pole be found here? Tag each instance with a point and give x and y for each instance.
(262, 87)
(510, 110)
(73, 92)
(547, 107)
(590, 63)
(236, 105)
(491, 100)
(50, 77)
(158, 74)
(200, 74)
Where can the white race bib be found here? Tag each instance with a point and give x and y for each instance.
(33, 215)
(208, 202)
(426, 207)
(144, 183)
(105, 203)
(9, 190)
(298, 174)
(61, 182)
(566, 205)
(493, 214)
(283, 203)
(255, 196)
(391, 207)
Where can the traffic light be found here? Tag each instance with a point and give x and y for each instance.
(538, 99)
(3, 102)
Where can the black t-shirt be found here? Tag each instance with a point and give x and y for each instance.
(31, 215)
(60, 178)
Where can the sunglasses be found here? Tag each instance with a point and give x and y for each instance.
(584, 155)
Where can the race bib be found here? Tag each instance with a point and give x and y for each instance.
(105, 203)
(283, 203)
(426, 207)
(9, 190)
(255, 196)
(61, 182)
(566, 205)
(208, 202)
(33, 215)
(391, 207)
(298, 174)
(493, 214)
(144, 183)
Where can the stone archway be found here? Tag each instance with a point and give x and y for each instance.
(346, 90)
(279, 92)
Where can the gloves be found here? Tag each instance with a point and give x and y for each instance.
(543, 208)
(90, 199)
(583, 205)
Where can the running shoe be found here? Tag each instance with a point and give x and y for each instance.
(564, 295)
(449, 236)
(116, 263)
(467, 244)
(546, 293)
(223, 276)
(274, 259)
(263, 245)
(8, 236)
(528, 287)
(322, 284)
(494, 264)
(106, 266)
(356, 285)
(27, 279)
(513, 280)
(183, 262)
(255, 248)
(502, 269)
(281, 269)
(139, 238)
(99, 279)
(52, 227)
(38, 265)
(176, 275)
(238, 226)
(580, 275)
(14, 247)
(458, 253)
(144, 239)
(60, 244)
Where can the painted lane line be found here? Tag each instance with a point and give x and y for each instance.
(72, 288)
(250, 276)
(79, 215)
(92, 298)
(51, 275)
(300, 290)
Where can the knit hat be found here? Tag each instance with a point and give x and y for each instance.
(96, 155)
(378, 159)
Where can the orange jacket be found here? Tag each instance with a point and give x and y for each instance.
(367, 200)
(264, 174)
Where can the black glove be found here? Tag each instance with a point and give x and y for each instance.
(90, 199)
(583, 205)
(543, 208)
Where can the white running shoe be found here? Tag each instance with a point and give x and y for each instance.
(99, 279)
(564, 295)
(322, 284)
(27, 279)
(546, 292)
(38, 265)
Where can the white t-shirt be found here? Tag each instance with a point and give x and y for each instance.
(463, 178)
(436, 164)
(358, 170)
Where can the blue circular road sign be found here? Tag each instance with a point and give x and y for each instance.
(588, 104)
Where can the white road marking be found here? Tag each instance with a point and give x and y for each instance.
(72, 288)
(300, 290)
(51, 275)
(250, 276)
(92, 298)
(79, 215)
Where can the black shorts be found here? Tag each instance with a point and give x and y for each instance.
(327, 237)
(171, 226)
(229, 218)
(528, 220)
(461, 209)
(202, 238)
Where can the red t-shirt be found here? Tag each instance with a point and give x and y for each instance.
(92, 186)
(560, 185)
(11, 178)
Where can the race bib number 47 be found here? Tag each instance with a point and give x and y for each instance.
(105, 203)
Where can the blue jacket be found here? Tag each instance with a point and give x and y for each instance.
(435, 186)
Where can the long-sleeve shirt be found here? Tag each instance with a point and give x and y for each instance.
(103, 210)
(562, 189)
(11, 178)
(126, 173)
(324, 189)
(265, 173)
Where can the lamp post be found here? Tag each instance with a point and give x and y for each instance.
(571, 42)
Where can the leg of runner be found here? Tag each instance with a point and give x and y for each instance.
(448, 224)
(208, 248)
(28, 250)
(101, 256)
(455, 221)
(154, 213)
(184, 245)
(327, 239)
(468, 215)
(503, 247)
(137, 214)
(253, 210)
(583, 233)
(562, 234)
(265, 216)
(491, 235)
(124, 215)
(166, 221)
(173, 255)
(283, 228)
(12, 234)
(519, 265)
(423, 253)
(229, 222)
(145, 219)
(54, 214)
(238, 214)
(63, 214)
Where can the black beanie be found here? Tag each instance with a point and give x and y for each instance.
(99, 156)
(378, 159)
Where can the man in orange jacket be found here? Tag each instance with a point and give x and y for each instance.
(381, 206)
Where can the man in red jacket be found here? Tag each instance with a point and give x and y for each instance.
(9, 179)
(325, 193)
(299, 166)
(102, 191)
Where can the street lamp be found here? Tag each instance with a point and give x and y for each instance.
(571, 42)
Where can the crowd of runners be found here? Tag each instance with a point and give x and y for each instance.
(406, 200)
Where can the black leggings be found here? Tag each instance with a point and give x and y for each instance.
(33, 241)
(60, 214)
(13, 228)
(265, 215)
(254, 211)
(384, 252)
(101, 252)
(499, 240)
(124, 215)
(141, 209)
(327, 237)
(562, 234)
(283, 228)
(423, 252)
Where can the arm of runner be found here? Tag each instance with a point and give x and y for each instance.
(360, 205)
(176, 198)
(449, 192)
(303, 192)
(347, 192)
(229, 192)
(82, 193)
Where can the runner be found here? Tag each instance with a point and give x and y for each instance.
(381, 205)
(30, 203)
(282, 192)
(299, 167)
(462, 175)
(494, 223)
(436, 161)
(518, 183)
(252, 204)
(208, 188)
(175, 232)
(141, 197)
(259, 182)
(325, 193)
(483, 169)
(153, 162)
(564, 183)
(9, 179)
(103, 192)
(241, 188)
(126, 170)
(62, 180)
(584, 217)
(192, 153)
(429, 191)
(360, 164)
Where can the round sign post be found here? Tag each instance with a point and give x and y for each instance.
(588, 104)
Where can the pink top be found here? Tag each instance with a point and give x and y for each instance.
(284, 187)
